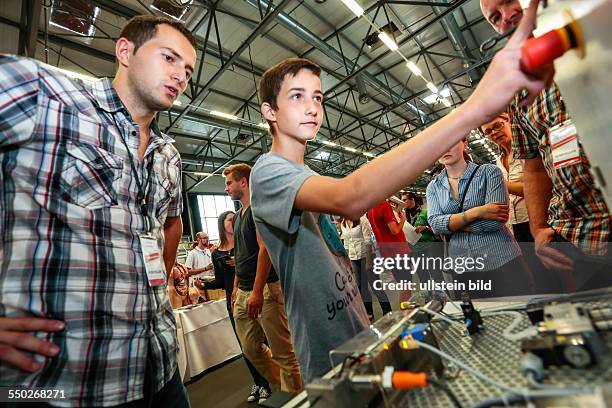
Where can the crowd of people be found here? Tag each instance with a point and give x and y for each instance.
(92, 203)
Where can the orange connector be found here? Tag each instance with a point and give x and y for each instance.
(405, 380)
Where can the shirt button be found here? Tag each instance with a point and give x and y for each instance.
(133, 133)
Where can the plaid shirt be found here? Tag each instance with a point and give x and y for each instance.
(577, 210)
(68, 222)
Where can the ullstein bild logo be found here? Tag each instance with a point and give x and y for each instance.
(415, 263)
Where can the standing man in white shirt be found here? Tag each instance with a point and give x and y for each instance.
(199, 259)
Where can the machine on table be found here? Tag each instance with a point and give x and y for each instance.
(560, 356)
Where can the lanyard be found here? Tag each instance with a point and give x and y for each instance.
(142, 189)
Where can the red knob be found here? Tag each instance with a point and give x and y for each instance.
(537, 52)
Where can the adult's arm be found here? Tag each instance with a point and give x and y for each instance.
(538, 192)
(173, 228)
(264, 265)
(354, 194)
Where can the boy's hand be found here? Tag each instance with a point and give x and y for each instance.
(504, 77)
(16, 343)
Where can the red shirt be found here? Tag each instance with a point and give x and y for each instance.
(389, 244)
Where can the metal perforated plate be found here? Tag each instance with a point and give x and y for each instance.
(499, 358)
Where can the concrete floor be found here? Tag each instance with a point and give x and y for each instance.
(225, 386)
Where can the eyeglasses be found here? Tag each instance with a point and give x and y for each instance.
(497, 126)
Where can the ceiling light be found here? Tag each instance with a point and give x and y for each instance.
(322, 155)
(369, 154)
(78, 17)
(446, 102)
(263, 125)
(350, 149)
(327, 142)
(354, 7)
(432, 87)
(431, 98)
(171, 9)
(199, 173)
(223, 115)
(384, 37)
(177, 102)
(412, 67)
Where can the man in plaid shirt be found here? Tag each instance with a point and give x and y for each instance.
(90, 195)
(563, 202)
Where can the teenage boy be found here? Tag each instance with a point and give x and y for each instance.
(290, 201)
(91, 196)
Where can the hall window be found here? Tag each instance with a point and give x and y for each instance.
(211, 206)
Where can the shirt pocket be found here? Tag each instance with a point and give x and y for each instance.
(167, 175)
(89, 174)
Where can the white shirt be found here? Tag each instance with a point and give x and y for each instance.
(197, 259)
(357, 239)
(518, 207)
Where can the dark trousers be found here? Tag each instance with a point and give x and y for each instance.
(258, 379)
(364, 279)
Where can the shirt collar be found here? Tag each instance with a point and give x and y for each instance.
(108, 99)
(106, 96)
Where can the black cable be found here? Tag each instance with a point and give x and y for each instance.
(446, 390)
(353, 358)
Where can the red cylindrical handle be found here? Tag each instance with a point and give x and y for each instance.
(537, 52)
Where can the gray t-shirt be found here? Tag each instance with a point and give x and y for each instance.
(322, 300)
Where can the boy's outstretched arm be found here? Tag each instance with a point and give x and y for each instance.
(353, 195)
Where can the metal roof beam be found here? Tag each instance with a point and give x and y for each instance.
(301, 31)
(449, 9)
(197, 99)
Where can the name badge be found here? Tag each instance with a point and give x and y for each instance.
(564, 144)
(152, 258)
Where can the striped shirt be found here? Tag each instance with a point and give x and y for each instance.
(488, 239)
(577, 210)
(69, 250)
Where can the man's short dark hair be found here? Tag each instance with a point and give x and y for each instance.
(272, 80)
(141, 29)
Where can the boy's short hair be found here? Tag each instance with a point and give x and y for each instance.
(272, 80)
(238, 171)
(141, 29)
